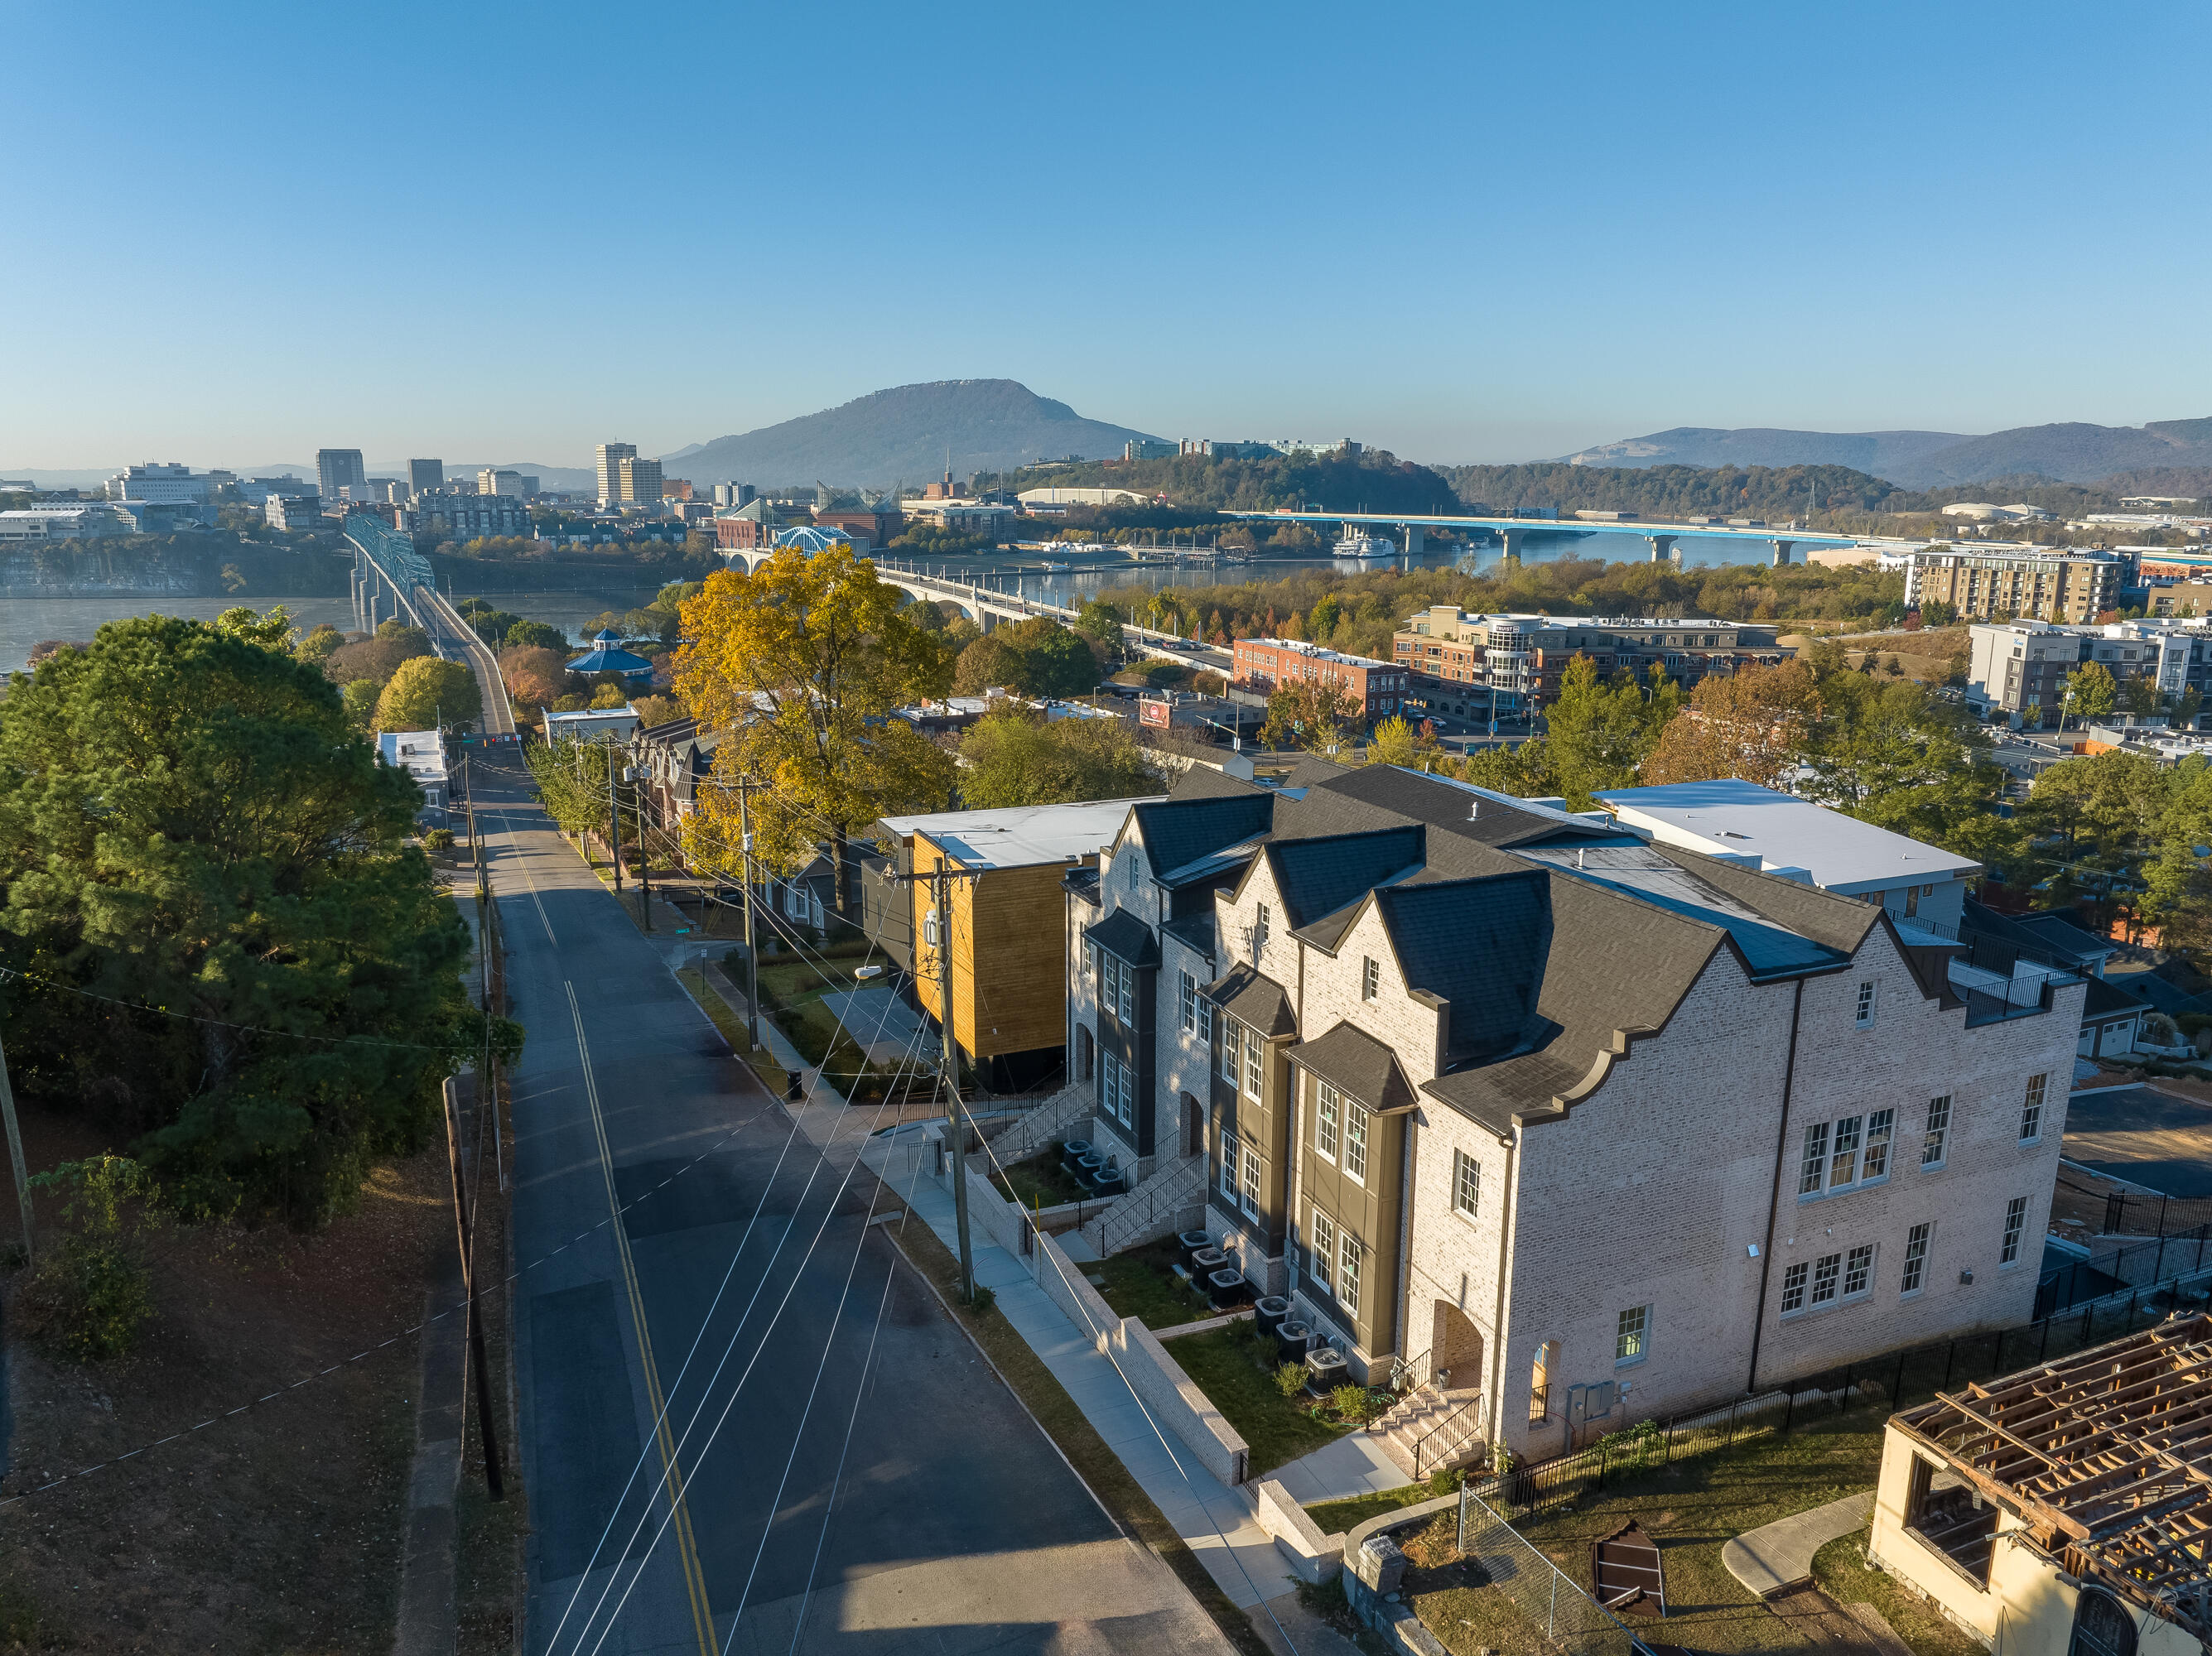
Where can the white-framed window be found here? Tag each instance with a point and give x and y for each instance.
(1858, 1270)
(1255, 1064)
(1843, 1159)
(1880, 1126)
(1864, 1013)
(1827, 1271)
(1916, 1260)
(1324, 1248)
(1229, 1164)
(1118, 1091)
(1793, 1287)
(2016, 1223)
(1355, 1141)
(1370, 978)
(1090, 960)
(1251, 1196)
(1467, 1183)
(1187, 1001)
(1813, 1165)
(1938, 1130)
(1259, 928)
(1125, 995)
(1227, 1031)
(1347, 1273)
(1329, 1119)
(1631, 1335)
(2031, 1111)
(1206, 1021)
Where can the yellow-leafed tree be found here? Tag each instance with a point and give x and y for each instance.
(803, 662)
(1752, 724)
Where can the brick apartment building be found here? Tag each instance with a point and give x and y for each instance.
(1988, 583)
(1580, 1128)
(2013, 665)
(1263, 664)
(1522, 657)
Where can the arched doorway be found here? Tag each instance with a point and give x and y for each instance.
(1456, 1345)
(2102, 1626)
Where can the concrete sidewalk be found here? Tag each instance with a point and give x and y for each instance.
(1777, 1557)
(1218, 1523)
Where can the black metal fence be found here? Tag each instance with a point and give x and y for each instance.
(2131, 1213)
(2148, 1264)
(1875, 1387)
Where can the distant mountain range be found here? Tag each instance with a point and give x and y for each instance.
(2071, 452)
(909, 434)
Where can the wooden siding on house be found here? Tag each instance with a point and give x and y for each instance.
(1009, 949)
(1367, 1208)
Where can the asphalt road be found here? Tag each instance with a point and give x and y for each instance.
(2154, 1138)
(836, 1468)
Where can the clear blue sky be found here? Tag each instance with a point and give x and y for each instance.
(1466, 233)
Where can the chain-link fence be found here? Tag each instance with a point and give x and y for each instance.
(1568, 1619)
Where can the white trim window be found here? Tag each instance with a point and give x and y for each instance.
(1117, 1089)
(1813, 1163)
(1844, 1158)
(1631, 1337)
(1252, 1176)
(1932, 1142)
(1259, 928)
(1858, 1272)
(1355, 1142)
(1255, 1064)
(1827, 1271)
(1323, 1261)
(1327, 1120)
(2016, 1223)
(1370, 978)
(1793, 1287)
(1226, 1028)
(1846, 1153)
(1347, 1273)
(2031, 1111)
(1466, 1185)
(1187, 1001)
(1229, 1164)
(1863, 1007)
(1916, 1260)
(1880, 1127)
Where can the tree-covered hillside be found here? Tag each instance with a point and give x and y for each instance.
(1374, 480)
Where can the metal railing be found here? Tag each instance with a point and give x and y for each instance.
(1409, 1374)
(1144, 1206)
(1435, 1447)
(1565, 1618)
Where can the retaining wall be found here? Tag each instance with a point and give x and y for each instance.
(1312, 1556)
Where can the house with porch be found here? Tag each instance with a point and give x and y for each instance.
(1572, 1126)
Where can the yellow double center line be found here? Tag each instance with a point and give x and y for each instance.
(694, 1578)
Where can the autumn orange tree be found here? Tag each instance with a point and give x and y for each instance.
(1754, 724)
(801, 664)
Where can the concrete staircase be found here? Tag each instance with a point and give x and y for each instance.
(1055, 1117)
(1172, 1199)
(1448, 1422)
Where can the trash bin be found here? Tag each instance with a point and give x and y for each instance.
(1205, 1261)
(1270, 1314)
(1292, 1339)
(1326, 1371)
(1189, 1241)
(1226, 1289)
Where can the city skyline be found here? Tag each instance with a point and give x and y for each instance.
(1537, 238)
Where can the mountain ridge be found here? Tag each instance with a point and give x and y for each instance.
(2073, 452)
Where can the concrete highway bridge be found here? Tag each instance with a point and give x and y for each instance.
(392, 581)
(1512, 533)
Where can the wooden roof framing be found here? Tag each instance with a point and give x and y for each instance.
(2106, 1454)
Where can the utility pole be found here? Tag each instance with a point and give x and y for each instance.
(15, 1153)
(614, 819)
(745, 871)
(493, 1479)
(948, 1063)
(644, 853)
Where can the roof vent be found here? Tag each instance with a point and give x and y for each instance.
(1473, 809)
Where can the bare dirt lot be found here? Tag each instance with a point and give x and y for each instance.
(276, 1529)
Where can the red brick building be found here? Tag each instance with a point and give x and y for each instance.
(1264, 663)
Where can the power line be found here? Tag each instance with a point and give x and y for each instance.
(221, 1023)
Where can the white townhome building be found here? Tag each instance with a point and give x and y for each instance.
(1578, 1127)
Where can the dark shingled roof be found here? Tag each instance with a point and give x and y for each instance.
(1320, 875)
(1250, 999)
(1444, 803)
(1125, 937)
(2107, 999)
(1196, 929)
(1180, 831)
(1081, 882)
(1206, 782)
(1480, 945)
(1359, 1066)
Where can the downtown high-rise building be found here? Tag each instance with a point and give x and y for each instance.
(611, 455)
(423, 475)
(341, 468)
(639, 481)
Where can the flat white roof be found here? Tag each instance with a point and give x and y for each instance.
(1020, 836)
(420, 754)
(1737, 818)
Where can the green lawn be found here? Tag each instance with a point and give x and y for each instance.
(1840, 1571)
(1692, 1506)
(1336, 1516)
(1039, 1182)
(1142, 1283)
(1236, 1371)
